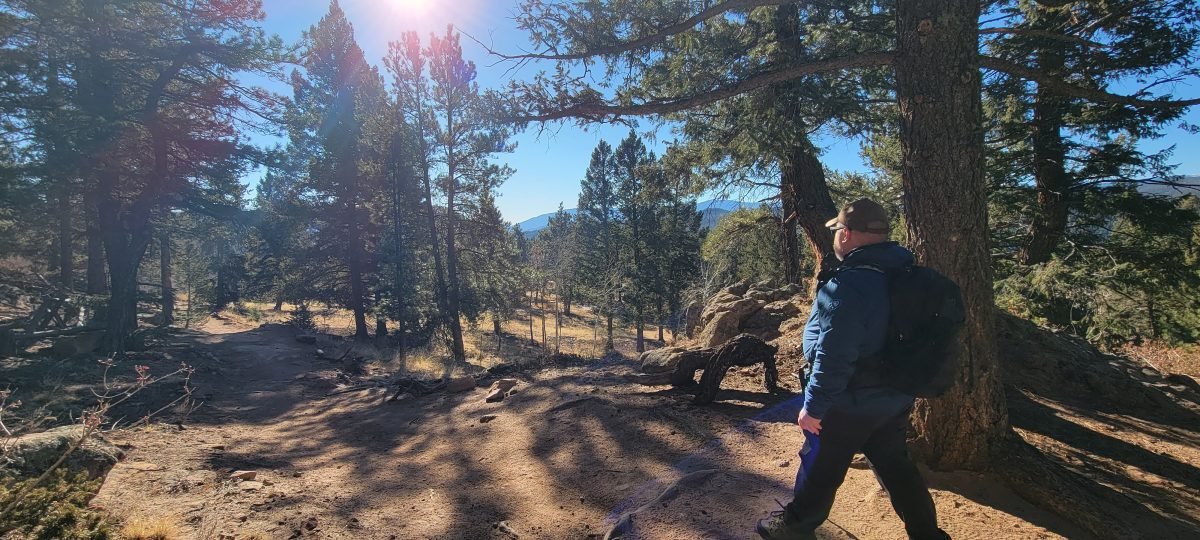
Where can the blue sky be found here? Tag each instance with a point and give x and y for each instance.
(548, 164)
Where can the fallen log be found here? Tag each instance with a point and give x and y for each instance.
(743, 350)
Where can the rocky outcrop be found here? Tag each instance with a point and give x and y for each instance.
(31, 455)
(757, 309)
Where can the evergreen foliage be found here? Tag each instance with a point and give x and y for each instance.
(56, 509)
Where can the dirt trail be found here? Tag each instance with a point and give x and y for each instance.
(575, 449)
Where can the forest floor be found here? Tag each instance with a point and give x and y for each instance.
(575, 448)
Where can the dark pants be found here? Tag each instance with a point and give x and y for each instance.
(825, 458)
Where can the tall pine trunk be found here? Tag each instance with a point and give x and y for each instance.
(1053, 184)
(380, 319)
(125, 241)
(97, 276)
(542, 311)
(356, 262)
(166, 278)
(938, 89)
(454, 296)
(439, 273)
(608, 345)
(66, 255)
(399, 291)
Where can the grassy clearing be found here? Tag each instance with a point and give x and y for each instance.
(582, 333)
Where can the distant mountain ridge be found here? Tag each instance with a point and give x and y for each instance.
(712, 211)
(1189, 185)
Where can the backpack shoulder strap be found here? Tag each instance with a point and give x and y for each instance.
(870, 267)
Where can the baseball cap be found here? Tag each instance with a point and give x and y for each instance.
(862, 215)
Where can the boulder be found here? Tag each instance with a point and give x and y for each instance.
(723, 320)
(31, 455)
(243, 475)
(460, 384)
(767, 322)
(759, 310)
(500, 390)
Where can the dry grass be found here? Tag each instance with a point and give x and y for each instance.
(1174, 360)
(581, 333)
(150, 529)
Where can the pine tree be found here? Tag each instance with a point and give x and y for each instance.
(335, 98)
(1064, 146)
(147, 107)
(631, 167)
(599, 250)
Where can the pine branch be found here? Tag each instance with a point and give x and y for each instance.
(1043, 34)
(599, 111)
(1067, 89)
(660, 35)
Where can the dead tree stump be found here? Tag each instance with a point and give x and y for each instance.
(742, 350)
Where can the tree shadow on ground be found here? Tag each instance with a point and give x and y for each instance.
(576, 439)
(1150, 492)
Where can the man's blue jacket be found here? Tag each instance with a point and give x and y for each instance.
(849, 321)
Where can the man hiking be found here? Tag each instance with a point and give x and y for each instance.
(848, 408)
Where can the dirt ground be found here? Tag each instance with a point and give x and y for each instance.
(574, 451)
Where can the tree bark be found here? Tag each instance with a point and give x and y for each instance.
(380, 320)
(166, 278)
(439, 273)
(496, 330)
(125, 242)
(66, 242)
(804, 193)
(804, 182)
(542, 312)
(788, 242)
(357, 289)
(938, 89)
(459, 349)
(97, 277)
(1053, 184)
(1152, 316)
(532, 341)
(399, 291)
(608, 345)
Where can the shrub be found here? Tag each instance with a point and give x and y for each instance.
(55, 509)
(302, 318)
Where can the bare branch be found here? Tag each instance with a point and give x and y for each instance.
(601, 111)
(1067, 89)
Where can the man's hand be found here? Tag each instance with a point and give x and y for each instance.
(809, 423)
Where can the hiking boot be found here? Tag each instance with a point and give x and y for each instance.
(782, 526)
